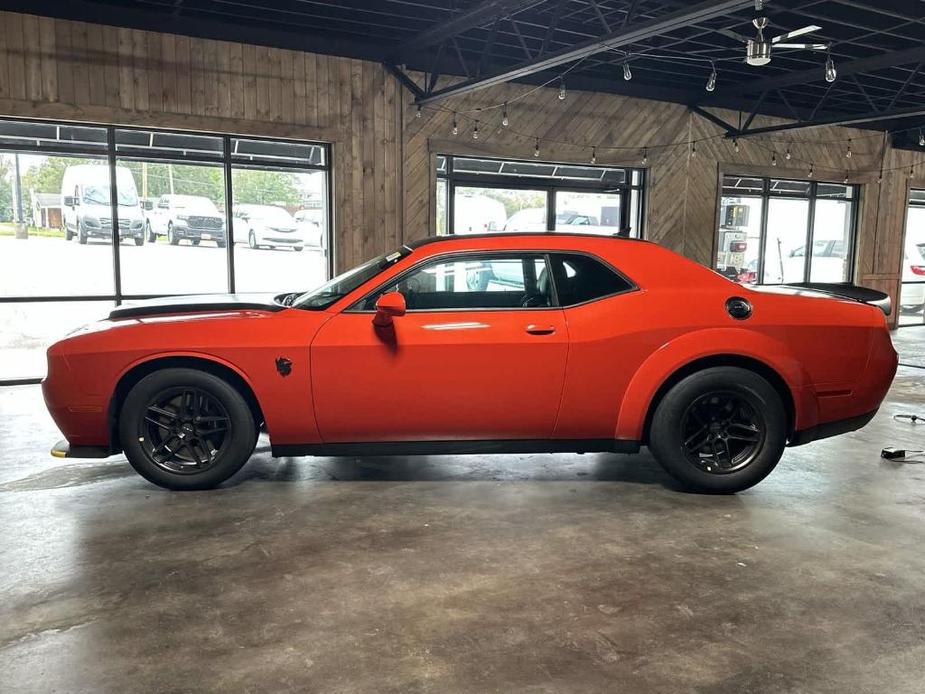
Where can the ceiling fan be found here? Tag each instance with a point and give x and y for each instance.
(758, 49)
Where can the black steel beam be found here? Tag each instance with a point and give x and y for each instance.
(404, 79)
(703, 11)
(479, 15)
(716, 120)
(848, 120)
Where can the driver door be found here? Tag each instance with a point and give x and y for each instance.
(479, 355)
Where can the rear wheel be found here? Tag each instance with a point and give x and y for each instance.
(719, 430)
(139, 240)
(252, 239)
(186, 429)
(172, 238)
(68, 234)
(195, 242)
(152, 237)
(82, 236)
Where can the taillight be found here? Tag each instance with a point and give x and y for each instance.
(738, 246)
(917, 269)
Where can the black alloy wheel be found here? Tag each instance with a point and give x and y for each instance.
(722, 433)
(184, 430)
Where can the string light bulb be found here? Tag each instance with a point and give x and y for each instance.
(562, 90)
(773, 158)
(418, 113)
(735, 143)
(505, 121)
(594, 155)
(645, 156)
(693, 148)
(711, 82)
(536, 147)
(788, 155)
(846, 179)
(912, 171)
(921, 138)
(831, 74)
(812, 169)
(455, 125)
(848, 151)
(475, 131)
(627, 73)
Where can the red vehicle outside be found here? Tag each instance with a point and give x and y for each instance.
(478, 344)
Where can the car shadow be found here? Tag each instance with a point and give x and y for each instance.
(597, 467)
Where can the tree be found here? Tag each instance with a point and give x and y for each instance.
(265, 187)
(47, 176)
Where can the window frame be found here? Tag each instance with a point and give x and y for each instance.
(113, 153)
(550, 186)
(913, 201)
(546, 253)
(812, 197)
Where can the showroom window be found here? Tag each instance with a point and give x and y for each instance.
(65, 189)
(766, 226)
(912, 293)
(477, 196)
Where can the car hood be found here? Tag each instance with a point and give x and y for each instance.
(196, 303)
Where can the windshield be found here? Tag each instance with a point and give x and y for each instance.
(343, 284)
(99, 195)
(273, 215)
(193, 203)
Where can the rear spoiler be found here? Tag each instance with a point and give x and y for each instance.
(846, 290)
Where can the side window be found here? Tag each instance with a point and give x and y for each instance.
(580, 278)
(474, 282)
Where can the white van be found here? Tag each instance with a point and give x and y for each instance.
(86, 207)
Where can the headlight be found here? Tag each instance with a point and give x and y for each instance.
(91, 221)
(183, 217)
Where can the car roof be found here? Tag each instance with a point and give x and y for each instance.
(531, 235)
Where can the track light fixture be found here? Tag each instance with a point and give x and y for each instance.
(627, 73)
(562, 90)
(711, 82)
(831, 74)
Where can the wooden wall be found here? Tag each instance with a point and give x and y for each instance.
(86, 72)
(383, 156)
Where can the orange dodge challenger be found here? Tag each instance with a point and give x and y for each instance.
(480, 344)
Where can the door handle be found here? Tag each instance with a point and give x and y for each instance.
(534, 329)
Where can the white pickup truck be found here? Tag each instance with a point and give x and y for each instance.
(191, 217)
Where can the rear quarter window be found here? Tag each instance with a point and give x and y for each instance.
(581, 278)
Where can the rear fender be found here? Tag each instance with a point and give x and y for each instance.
(716, 342)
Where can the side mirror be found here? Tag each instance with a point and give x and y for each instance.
(388, 306)
(70, 201)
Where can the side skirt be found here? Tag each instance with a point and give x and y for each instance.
(373, 448)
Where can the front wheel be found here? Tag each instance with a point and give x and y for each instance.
(151, 235)
(719, 430)
(139, 240)
(172, 238)
(186, 429)
(252, 240)
(68, 234)
(82, 236)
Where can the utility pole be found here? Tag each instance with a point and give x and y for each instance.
(22, 231)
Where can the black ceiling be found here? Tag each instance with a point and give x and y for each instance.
(878, 45)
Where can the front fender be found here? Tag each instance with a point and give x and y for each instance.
(714, 342)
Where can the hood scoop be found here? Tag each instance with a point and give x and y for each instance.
(199, 303)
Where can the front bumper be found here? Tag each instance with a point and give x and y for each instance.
(202, 234)
(63, 449)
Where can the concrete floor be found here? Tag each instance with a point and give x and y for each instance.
(464, 574)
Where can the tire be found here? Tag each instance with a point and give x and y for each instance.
(68, 234)
(220, 244)
(195, 242)
(734, 456)
(142, 436)
(297, 248)
(82, 237)
(252, 240)
(139, 240)
(152, 237)
(171, 237)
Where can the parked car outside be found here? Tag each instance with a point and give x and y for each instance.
(191, 217)
(310, 223)
(912, 295)
(86, 204)
(267, 226)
